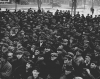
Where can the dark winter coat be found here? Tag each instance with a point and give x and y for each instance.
(6, 71)
(31, 77)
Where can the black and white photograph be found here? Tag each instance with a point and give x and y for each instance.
(49, 39)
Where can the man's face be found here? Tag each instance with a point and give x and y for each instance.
(87, 59)
(10, 55)
(78, 78)
(93, 65)
(35, 73)
(22, 32)
(96, 54)
(19, 56)
(59, 51)
(37, 52)
(13, 32)
(41, 58)
(28, 65)
(41, 41)
(19, 45)
(4, 49)
(28, 28)
(68, 61)
(65, 42)
(33, 48)
(8, 27)
(67, 72)
(53, 57)
(86, 44)
(60, 46)
(47, 49)
(78, 53)
(79, 60)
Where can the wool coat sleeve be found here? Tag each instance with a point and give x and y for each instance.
(6, 71)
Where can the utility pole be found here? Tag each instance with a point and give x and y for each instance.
(92, 8)
(39, 4)
(84, 3)
(92, 3)
(15, 5)
(52, 3)
(74, 6)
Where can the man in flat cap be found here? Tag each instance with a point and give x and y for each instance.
(19, 66)
(53, 66)
(67, 68)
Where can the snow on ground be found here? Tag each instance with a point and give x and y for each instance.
(46, 8)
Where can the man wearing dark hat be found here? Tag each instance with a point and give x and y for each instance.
(35, 74)
(53, 66)
(80, 70)
(87, 60)
(19, 66)
(67, 68)
(35, 55)
(29, 66)
(42, 65)
(94, 69)
(65, 44)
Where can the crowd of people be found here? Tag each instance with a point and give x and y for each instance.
(43, 45)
